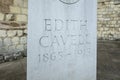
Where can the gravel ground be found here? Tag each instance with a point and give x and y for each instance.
(108, 64)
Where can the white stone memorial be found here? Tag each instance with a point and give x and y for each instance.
(62, 40)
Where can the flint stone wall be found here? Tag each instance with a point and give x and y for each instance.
(13, 26)
(109, 19)
(13, 39)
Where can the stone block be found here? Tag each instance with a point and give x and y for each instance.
(15, 9)
(15, 40)
(116, 2)
(12, 49)
(24, 11)
(6, 2)
(19, 32)
(23, 40)
(25, 46)
(3, 33)
(1, 42)
(11, 33)
(20, 47)
(25, 3)
(25, 31)
(7, 42)
(19, 3)
(1, 16)
(21, 18)
(9, 17)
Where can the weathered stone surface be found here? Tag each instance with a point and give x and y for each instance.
(20, 47)
(23, 40)
(19, 32)
(13, 16)
(1, 42)
(108, 13)
(12, 49)
(4, 5)
(117, 2)
(8, 2)
(3, 33)
(25, 3)
(19, 3)
(21, 18)
(10, 17)
(7, 42)
(12, 10)
(25, 46)
(1, 16)
(11, 33)
(24, 10)
(15, 40)
(25, 31)
(15, 9)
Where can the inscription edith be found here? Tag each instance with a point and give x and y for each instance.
(72, 33)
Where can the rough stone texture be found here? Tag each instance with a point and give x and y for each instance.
(23, 40)
(24, 11)
(9, 17)
(13, 25)
(25, 3)
(4, 5)
(18, 3)
(15, 40)
(109, 19)
(1, 16)
(1, 43)
(12, 49)
(13, 11)
(19, 32)
(12, 39)
(11, 33)
(21, 18)
(3, 33)
(7, 42)
(25, 31)
(20, 47)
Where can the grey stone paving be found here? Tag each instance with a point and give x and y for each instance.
(108, 60)
(108, 64)
(15, 70)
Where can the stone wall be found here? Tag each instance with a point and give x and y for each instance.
(13, 25)
(13, 39)
(109, 19)
(13, 12)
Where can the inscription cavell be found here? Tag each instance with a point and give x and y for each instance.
(76, 37)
